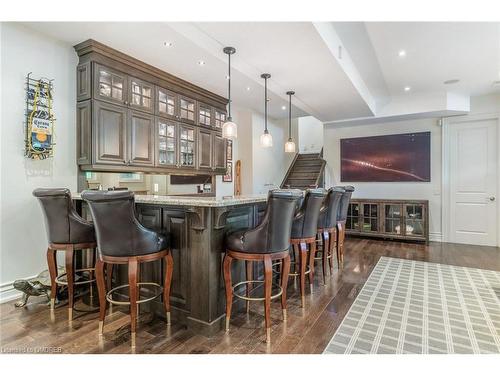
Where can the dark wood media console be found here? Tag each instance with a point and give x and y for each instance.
(389, 218)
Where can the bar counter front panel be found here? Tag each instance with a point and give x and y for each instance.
(196, 228)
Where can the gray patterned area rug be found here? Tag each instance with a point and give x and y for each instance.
(419, 307)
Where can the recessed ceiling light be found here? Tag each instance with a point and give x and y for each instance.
(451, 81)
(283, 107)
(201, 63)
(402, 53)
(407, 88)
(168, 44)
(248, 88)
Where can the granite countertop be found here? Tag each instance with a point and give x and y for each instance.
(202, 201)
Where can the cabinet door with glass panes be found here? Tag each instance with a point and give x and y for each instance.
(370, 221)
(353, 217)
(187, 110)
(167, 103)
(110, 85)
(414, 214)
(141, 95)
(205, 115)
(167, 143)
(187, 148)
(393, 218)
(220, 118)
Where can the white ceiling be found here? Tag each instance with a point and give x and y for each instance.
(362, 80)
(436, 52)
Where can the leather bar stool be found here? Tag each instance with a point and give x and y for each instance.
(121, 239)
(67, 231)
(327, 227)
(269, 241)
(341, 221)
(303, 238)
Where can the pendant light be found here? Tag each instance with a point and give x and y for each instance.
(266, 140)
(290, 144)
(229, 129)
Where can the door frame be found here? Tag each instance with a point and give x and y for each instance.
(447, 123)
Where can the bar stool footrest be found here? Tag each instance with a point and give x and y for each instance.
(62, 282)
(114, 302)
(255, 298)
(294, 274)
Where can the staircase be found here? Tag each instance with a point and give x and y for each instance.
(306, 171)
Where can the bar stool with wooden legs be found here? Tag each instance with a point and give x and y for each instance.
(327, 228)
(341, 221)
(303, 238)
(66, 231)
(121, 239)
(268, 242)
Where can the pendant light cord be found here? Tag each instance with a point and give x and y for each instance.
(265, 104)
(290, 117)
(229, 87)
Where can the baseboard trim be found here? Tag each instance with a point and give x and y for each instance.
(8, 293)
(436, 237)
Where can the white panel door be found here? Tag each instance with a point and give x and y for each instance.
(473, 182)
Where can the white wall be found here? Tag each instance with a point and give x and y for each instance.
(244, 144)
(310, 134)
(269, 164)
(261, 168)
(431, 191)
(23, 238)
(391, 190)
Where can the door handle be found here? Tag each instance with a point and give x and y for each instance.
(492, 199)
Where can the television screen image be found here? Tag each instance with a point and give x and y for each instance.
(386, 158)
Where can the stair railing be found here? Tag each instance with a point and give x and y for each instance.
(320, 179)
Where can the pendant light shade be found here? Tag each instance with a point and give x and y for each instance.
(290, 144)
(266, 140)
(229, 128)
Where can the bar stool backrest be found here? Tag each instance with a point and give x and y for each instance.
(306, 219)
(118, 231)
(273, 234)
(62, 222)
(344, 202)
(330, 210)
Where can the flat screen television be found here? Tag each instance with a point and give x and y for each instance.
(386, 158)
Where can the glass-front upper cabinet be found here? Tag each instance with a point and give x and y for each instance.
(187, 146)
(167, 143)
(370, 217)
(110, 85)
(220, 118)
(141, 95)
(414, 220)
(167, 103)
(353, 214)
(393, 216)
(204, 115)
(187, 110)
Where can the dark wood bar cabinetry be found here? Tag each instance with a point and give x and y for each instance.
(133, 117)
(397, 219)
(196, 227)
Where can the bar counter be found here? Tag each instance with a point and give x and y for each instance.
(196, 227)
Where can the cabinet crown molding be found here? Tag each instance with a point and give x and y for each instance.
(164, 79)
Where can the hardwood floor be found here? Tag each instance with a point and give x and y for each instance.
(307, 330)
